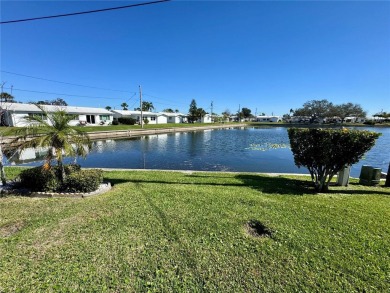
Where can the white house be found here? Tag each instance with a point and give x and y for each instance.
(174, 117)
(14, 114)
(206, 119)
(268, 119)
(153, 118)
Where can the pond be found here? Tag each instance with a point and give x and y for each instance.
(246, 149)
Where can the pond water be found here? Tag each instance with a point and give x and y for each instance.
(249, 149)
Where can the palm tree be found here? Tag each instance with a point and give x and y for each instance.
(53, 131)
(108, 108)
(6, 97)
(124, 106)
(147, 106)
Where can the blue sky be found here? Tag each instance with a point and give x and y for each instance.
(269, 56)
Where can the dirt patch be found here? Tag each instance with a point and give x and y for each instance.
(10, 229)
(257, 229)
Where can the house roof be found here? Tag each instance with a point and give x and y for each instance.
(128, 112)
(31, 108)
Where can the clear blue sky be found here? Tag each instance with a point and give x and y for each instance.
(272, 56)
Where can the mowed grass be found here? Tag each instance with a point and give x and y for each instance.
(186, 232)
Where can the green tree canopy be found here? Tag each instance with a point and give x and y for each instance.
(246, 112)
(324, 152)
(193, 112)
(6, 97)
(124, 106)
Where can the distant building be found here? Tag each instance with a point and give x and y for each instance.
(268, 119)
(153, 118)
(14, 114)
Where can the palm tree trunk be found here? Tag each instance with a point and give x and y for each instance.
(2, 171)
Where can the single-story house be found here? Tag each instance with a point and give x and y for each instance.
(14, 114)
(153, 118)
(354, 119)
(174, 117)
(268, 119)
(206, 119)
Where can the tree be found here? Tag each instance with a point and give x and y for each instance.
(6, 97)
(176, 110)
(246, 112)
(324, 152)
(146, 106)
(169, 110)
(52, 131)
(124, 106)
(58, 102)
(348, 109)
(316, 109)
(108, 108)
(192, 112)
(200, 112)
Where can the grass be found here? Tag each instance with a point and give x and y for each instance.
(173, 232)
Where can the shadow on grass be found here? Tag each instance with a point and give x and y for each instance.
(277, 185)
(186, 251)
(261, 183)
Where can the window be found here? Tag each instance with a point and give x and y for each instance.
(38, 115)
(104, 117)
(152, 118)
(73, 116)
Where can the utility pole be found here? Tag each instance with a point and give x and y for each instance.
(211, 110)
(140, 106)
(239, 112)
(11, 89)
(2, 91)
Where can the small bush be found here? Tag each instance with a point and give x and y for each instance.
(115, 122)
(71, 168)
(40, 179)
(369, 122)
(48, 180)
(83, 181)
(127, 120)
(146, 121)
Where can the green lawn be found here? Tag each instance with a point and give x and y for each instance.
(186, 232)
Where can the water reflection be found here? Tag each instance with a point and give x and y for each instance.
(245, 149)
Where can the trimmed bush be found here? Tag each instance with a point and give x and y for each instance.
(115, 122)
(83, 181)
(40, 179)
(48, 180)
(326, 151)
(127, 120)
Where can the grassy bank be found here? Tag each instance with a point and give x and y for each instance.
(166, 231)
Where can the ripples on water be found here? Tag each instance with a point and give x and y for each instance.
(239, 149)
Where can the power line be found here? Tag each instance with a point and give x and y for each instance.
(84, 12)
(63, 82)
(68, 95)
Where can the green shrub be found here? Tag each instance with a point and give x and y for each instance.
(40, 179)
(326, 151)
(146, 121)
(83, 181)
(71, 168)
(48, 180)
(369, 122)
(115, 122)
(127, 120)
